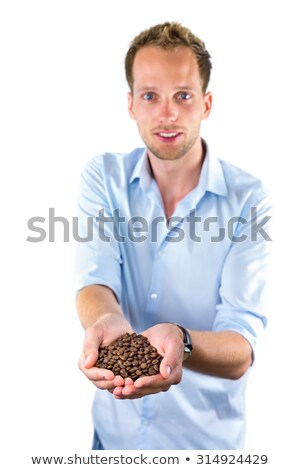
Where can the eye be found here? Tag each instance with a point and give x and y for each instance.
(183, 95)
(149, 96)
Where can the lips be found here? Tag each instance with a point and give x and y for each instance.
(168, 136)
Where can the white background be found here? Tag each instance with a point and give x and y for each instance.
(63, 100)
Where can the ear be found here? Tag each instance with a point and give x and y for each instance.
(207, 105)
(130, 105)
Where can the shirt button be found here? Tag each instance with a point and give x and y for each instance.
(160, 252)
(154, 296)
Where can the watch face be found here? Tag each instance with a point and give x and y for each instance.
(187, 352)
(186, 355)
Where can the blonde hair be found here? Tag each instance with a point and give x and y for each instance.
(169, 36)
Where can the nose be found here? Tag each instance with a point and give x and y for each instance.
(168, 112)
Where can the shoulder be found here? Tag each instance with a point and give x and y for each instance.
(116, 166)
(242, 185)
(108, 173)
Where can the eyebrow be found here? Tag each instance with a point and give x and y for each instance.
(154, 88)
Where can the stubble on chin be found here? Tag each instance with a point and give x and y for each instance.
(167, 154)
(170, 154)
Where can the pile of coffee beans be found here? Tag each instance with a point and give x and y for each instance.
(131, 355)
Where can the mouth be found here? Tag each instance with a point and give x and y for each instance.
(168, 136)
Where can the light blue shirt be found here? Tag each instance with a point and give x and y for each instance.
(208, 273)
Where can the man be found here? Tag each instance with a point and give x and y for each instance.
(178, 253)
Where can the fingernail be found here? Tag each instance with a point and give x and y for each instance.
(169, 370)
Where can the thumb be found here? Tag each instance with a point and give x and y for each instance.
(90, 359)
(92, 341)
(171, 361)
(165, 369)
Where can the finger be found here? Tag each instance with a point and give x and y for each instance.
(95, 374)
(154, 381)
(119, 381)
(148, 385)
(110, 384)
(104, 385)
(118, 392)
(128, 381)
(131, 392)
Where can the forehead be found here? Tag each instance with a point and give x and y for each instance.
(156, 66)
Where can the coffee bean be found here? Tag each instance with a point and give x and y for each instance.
(130, 355)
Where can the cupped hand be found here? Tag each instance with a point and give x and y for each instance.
(168, 342)
(103, 332)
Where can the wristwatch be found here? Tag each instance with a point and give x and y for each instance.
(187, 341)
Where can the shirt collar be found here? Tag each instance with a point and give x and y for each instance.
(142, 170)
(211, 178)
(215, 179)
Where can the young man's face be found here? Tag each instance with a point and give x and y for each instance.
(167, 101)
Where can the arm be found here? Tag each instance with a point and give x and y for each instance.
(223, 354)
(95, 301)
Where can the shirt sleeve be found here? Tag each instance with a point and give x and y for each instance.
(243, 291)
(97, 257)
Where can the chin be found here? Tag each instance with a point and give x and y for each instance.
(165, 155)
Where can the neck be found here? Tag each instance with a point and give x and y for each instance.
(176, 178)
